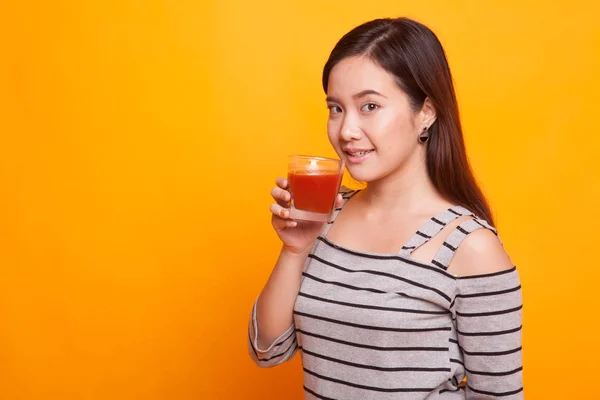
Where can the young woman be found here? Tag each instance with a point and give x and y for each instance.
(409, 290)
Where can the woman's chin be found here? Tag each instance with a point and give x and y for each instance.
(362, 175)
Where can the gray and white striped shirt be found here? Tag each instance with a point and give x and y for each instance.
(375, 326)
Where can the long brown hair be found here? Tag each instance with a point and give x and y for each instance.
(413, 54)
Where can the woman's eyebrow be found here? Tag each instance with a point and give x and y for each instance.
(367, 92)
(357, 95)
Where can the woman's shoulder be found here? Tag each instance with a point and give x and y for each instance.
(481, 253)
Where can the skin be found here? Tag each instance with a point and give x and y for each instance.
(370, 112)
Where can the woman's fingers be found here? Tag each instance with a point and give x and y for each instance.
(282, 182)
(279, 194)
(279, 211)
(281, 217)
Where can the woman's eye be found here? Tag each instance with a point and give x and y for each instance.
(369, 107)
(334, 109)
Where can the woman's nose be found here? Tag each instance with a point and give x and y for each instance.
(350, 130)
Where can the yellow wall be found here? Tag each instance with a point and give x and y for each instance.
(139, 141)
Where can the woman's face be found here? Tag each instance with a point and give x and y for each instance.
(371, 124)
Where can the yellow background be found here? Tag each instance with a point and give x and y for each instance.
(139, 141)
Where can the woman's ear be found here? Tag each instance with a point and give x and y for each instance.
(428, 115)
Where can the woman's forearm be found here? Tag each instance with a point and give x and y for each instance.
(274, 309)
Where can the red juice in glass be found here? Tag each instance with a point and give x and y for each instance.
(313, 183)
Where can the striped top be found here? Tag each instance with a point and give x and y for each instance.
(375, 326)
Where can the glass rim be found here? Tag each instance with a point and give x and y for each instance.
(319, 158)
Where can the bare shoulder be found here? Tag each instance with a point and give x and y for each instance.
(480, 253)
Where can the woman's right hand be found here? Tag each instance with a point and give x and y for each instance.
(297, 236)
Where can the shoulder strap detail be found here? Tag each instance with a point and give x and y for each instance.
(431, 228)
(453, 241)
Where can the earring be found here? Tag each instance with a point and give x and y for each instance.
(424, 135)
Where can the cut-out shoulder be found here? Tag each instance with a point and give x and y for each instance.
(481, 253)
(425, 253)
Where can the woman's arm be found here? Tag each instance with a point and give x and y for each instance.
(271, 331)
(488, 311)
(275, 305)
(272, 336)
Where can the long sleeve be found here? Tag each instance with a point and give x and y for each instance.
(488, 311)
(281, 350)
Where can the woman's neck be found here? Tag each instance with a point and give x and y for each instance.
(408, 191)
